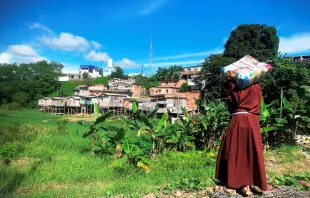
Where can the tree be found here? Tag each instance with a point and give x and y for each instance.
(287, 76)
(21, 98)
(172, 72)
(118, 73)
(36, 79)
(85, 76)
(184, 88)
(259, 41)
(209, 76)
(147, 82)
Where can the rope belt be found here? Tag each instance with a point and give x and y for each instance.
(241, 112)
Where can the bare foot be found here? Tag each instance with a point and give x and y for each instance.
(230, 191)
(219, 188)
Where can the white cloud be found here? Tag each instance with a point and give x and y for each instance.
(95, 45)
(182, 63)
(20, 54)
(5, 58)
(126, 63)
(97, 56)
(151, 6)
(295, 43)
(66, 41)
(40, 26)
(204, 54)
(21, 50)
(25, 59)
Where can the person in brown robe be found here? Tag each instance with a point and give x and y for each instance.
(240, 160)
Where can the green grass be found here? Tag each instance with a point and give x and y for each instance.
(53, 163)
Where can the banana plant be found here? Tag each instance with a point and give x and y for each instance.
(212, 123)
(146, 125)
(94, 128)
(133, 153)
(138, 148)
(285, 126)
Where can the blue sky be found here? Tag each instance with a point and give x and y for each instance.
(183, 32)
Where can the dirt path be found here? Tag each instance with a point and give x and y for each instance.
(279, 192)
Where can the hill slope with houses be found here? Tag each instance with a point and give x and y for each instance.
(118, 95)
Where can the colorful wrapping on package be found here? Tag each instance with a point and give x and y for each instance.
(230, 72)
(245, 71)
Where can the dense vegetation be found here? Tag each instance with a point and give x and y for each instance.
(24, 84)
(260, 41)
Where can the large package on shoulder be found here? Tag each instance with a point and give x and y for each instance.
(245, 71)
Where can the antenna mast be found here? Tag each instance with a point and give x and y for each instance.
(151, 54)
(142, 69)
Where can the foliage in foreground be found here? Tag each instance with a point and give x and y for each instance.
(142, 136)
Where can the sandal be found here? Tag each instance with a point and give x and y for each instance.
(245, 191)
(256, 190)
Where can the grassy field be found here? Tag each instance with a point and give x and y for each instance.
(51, 159)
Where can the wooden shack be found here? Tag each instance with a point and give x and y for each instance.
(81, 90)
(41, 104)
(97, 89)
(113, 102)
(58, 105)
(47, 104)
(172, 105)
(144, 104)
(86, 104)
(73, 104)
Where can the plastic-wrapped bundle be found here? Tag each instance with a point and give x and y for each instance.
(230, 72)
(245, 71)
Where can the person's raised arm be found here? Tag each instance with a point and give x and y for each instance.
(234, 94)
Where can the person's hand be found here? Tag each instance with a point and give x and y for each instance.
(229, 84)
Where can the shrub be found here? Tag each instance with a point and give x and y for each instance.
(13, 106)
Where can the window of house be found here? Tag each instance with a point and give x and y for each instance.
(195, 69)
(91, 70)
(189, 69)
(72, 76)
(167, 90)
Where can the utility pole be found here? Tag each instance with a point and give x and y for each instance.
(151, 54)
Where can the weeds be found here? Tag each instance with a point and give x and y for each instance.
(298, 180)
